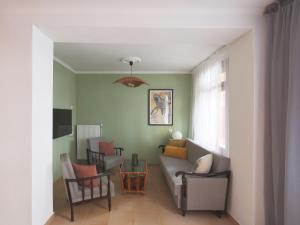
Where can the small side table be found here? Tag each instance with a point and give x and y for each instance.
(133, 178)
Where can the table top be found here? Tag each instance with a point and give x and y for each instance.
(128, 167)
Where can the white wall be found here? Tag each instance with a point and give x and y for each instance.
(26, 190)
(42, 86)
(241, 109)
(260, 56)
(15, 120)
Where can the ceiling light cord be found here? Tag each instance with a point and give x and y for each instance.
(131, 81)
(131, 63)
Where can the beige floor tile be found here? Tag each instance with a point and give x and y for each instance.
(121, 218)
(147, 217)
(156, 207)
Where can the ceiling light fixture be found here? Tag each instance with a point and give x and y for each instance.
(130, 81)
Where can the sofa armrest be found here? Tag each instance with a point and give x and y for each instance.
(120, 150)
(208, 183)
(162, 148)
(219, 174)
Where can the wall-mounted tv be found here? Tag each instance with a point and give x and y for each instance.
(62, 122)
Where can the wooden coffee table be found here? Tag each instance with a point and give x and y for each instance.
(134, 177)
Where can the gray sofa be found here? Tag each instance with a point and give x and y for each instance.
(192, 191)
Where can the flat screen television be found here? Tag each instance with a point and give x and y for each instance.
(62, 122)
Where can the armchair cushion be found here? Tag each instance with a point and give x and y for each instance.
(107, 148)
(111, 161)
(82, 171)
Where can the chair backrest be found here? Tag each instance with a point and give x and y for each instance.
(93, 143)
(67, 171)
(220, 163)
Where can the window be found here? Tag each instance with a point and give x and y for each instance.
(209, 107)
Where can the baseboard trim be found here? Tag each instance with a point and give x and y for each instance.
(57, 180)
(50, 219)
(232, 219)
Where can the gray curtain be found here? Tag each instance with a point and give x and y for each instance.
(282, 128)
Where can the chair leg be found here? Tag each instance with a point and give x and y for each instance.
(72, 212)
(109, 203)
(183, 212)
(108, 193)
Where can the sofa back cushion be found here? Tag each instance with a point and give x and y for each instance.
(195, 151)
(220, 163)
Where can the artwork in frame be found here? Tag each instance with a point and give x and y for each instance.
(160, 107)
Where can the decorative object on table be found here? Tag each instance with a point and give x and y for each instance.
(134, 159)
(130, 81)
(176, 134)
(160, 107)
(170, 132)
(134, 178)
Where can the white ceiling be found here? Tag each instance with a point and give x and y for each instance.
(161, 50)
(169, 35)
(136, 3)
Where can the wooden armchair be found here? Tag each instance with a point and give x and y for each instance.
(103, 162)
(77, 194)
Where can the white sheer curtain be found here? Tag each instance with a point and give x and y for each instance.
(209, 111)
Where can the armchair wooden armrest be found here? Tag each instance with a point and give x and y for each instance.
(95, 158)
(85, 198)
(120, 150)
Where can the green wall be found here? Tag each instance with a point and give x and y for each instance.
(123, 110)
(64, 97)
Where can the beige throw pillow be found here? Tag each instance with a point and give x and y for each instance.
(203, 164)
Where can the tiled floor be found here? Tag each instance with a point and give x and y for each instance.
(156, 207)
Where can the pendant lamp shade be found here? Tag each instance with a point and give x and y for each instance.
(130, 81)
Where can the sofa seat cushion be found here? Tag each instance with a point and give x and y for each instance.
(170, 166)
(111, 161)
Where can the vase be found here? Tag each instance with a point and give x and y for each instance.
(134, 159)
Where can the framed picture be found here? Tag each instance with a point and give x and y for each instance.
(160, 107)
